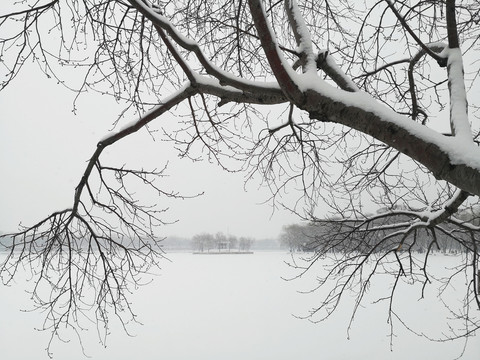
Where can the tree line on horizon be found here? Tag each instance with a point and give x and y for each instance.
(351, 235)
(206, 242)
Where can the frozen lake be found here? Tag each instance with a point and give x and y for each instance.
(235, 307)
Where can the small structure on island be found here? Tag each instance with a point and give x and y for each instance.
(224, 245)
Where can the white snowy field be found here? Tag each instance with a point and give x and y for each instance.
(238, 307)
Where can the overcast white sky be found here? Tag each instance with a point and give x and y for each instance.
(44, 148)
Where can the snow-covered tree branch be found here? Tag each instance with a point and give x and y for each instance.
(372, 106)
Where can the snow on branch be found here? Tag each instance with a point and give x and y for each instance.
(225, 78)
(458, 96)
(326, 62)
(302, 36)
(310, 61)
(281, 69)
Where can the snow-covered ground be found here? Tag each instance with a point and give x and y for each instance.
(236, 307)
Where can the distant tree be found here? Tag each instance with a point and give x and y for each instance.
(203, 242)
(232, 241)
(328, 236)
(245, 244)
(357, 92)
(294, 237)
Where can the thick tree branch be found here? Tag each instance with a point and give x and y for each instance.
(408, 138)
(301, 34)
(319, 142)
(326, 62)
(459, 122)
(452, 25)
(278, 64)
(224, 78)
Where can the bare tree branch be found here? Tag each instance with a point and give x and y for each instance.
(342, 84)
